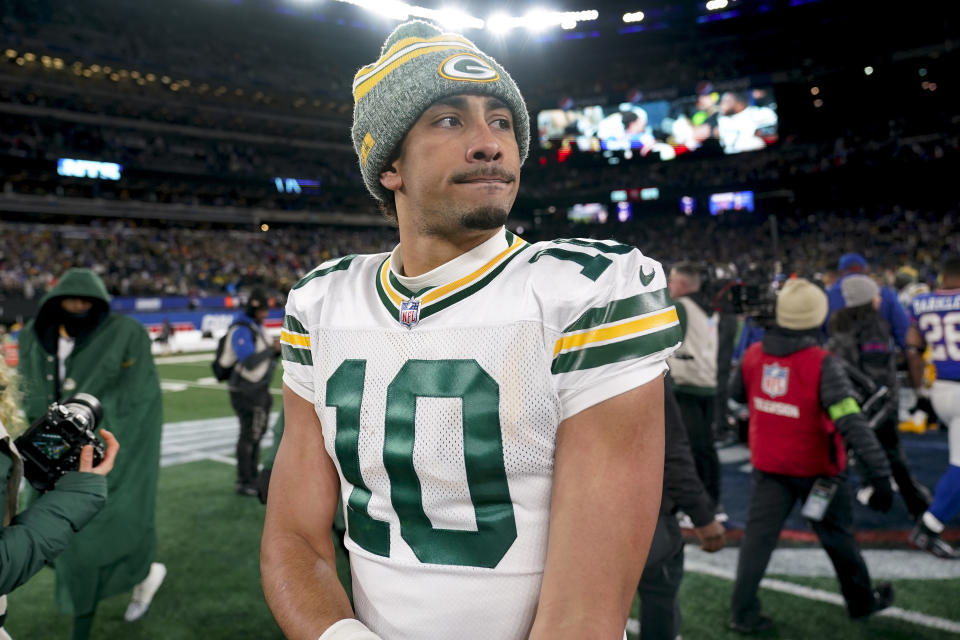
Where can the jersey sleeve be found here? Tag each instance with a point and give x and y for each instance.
(613, 332)
(295, 349)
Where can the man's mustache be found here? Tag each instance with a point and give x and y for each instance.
(485, 173)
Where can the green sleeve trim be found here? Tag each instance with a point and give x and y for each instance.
(682, 316)
(844, 408)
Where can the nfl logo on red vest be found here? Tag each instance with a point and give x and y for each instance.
(774, 382)
(409, 313)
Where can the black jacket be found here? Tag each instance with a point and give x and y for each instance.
(869, 348)
(835, 387)
(682, 488)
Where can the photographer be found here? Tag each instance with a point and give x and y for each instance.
(860, 335)
(255, 355)
(31, 539)
(802, 412)
(76, 344)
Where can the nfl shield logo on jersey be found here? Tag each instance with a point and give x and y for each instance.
(774, 382)
(409, 313)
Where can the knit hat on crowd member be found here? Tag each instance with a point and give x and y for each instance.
(858, 290)
(419, 65)
(801, 305)
(850, 261)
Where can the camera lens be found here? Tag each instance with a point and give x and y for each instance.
(86, 407)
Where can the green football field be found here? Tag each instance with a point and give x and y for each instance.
(209, 537)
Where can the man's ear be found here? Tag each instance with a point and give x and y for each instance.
(390, 178)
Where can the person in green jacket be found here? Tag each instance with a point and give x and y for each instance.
(32, 538)
(75, 344)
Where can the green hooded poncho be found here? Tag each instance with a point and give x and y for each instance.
(111, 360)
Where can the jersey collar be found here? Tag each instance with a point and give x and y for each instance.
(410, 299)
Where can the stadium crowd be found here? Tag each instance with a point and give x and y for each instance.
(143, 260)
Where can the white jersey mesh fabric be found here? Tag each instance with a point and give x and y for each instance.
(444, 433)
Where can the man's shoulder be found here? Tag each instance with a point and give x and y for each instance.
(338, 269)
(584, 263)
(118, 322)
(346, 272)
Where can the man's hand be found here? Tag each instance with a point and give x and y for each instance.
(711, 536)
(882, 497)
(106, 465)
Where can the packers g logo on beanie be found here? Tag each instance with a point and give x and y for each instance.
(419, 65)
(465, 66)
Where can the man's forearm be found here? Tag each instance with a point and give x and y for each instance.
(915, 366)
(301, 586)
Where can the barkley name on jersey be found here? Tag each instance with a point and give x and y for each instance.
(440, 397)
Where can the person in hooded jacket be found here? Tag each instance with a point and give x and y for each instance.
(860, 335)
(803, 413)
(76, 344)
(32, 538)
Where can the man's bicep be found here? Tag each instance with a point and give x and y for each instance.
(304, 485)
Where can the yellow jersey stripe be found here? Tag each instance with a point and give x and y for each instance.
(367, 85)
(654, 321)
(466, 280)
(403, 44)
(385, 283)
(294, 339)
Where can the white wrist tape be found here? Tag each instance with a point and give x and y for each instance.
(349, 629)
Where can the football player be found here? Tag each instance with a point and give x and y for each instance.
(490, 412)
(935, 323)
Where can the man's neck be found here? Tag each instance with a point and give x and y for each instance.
(423, 253)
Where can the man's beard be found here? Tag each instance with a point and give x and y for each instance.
(452, 223)
(484, 218)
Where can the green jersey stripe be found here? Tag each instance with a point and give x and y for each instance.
(598, 356)
(299, 356)
(621, 310)
(440, 305)
(602, 247)
(392, 309)
(341, 265)
(402, 290)
(293, 325)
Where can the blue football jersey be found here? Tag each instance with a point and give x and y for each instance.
(937, 316)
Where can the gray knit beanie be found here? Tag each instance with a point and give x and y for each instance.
(801, 305)
(858, 290)
(418, 65)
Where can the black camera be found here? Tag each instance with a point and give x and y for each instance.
(52, 444)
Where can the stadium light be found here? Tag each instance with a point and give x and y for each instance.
(540, 19)
(716, 5)
(636, 16)
(449, 17)
(501, 23)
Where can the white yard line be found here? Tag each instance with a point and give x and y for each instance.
(200, 384)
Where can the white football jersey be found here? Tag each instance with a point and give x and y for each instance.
(440, 398)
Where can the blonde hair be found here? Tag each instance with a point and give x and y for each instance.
(11, 415)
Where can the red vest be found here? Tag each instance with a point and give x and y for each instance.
(790, 434)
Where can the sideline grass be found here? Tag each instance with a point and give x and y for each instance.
(199, 403)
(209, 539)
(705, 606)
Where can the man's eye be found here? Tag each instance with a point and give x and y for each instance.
(448, 121)
(503, 123)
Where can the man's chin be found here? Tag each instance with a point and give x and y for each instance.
(485, 218)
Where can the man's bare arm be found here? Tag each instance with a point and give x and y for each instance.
(608, 477)
(297, 562)
(915, 364)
